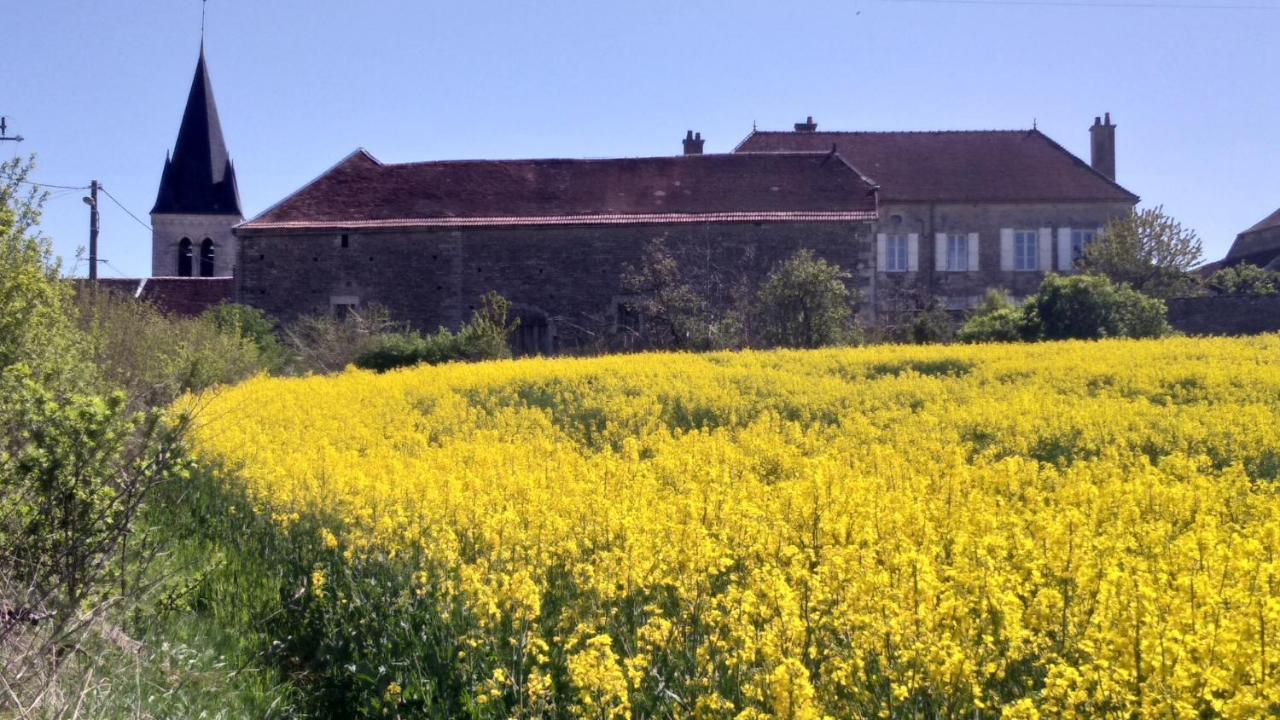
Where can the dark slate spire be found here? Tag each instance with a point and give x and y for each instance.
(199, 178)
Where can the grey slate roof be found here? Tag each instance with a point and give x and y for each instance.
(199, 178)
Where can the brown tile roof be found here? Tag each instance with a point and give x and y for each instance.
(361, 192)
(176, 295)
(957, 166)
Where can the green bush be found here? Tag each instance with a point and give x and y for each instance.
(932, 325)
(996, 319)
(1092, 307)
(485, 337)
(253, 325)
(1245, 279)
(804, 303)
(154, 357)
(1077, 307)
(78, 467)
(1007, 325)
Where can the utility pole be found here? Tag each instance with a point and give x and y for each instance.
(92, 202)
(4, 131)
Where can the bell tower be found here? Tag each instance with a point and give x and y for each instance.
(198, 202)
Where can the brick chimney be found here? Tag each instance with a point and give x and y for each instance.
(807, 126)
(1102, 138)
(693, 143)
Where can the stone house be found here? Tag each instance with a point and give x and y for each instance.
(426, 240)
(964, 211)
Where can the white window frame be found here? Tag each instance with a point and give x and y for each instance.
(1080, 238)
(1026, 250)
(897, 247)
(958, 252)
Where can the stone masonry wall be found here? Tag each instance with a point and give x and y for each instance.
(1225, 315)
(961, 289)
(167, 231)
(570, 275)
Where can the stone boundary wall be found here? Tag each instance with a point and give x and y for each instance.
(1225, 315)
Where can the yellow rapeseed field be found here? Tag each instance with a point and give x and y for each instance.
(1053, 530)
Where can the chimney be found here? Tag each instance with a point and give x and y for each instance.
(807, 126)
(1102, 138)
(693, 143)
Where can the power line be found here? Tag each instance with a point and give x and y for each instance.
(51, 186)
(1092, 4)
(125, 209)
(113, 268)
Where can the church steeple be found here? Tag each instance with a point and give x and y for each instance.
(199, 179)
(198, 204)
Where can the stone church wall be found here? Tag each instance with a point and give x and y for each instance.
(168, 230)
(569, 275)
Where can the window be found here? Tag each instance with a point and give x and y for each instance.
(895, 253)
(1079, 239)
(206, 258)
(627, 316)
(346, 240)
(184, 258)
(957, 253)
(343, 305)
(1026, 250)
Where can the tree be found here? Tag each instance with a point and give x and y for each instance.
(673, 312)
(35, 326)
(1092, 307)
(1147, 250)
(804, 303)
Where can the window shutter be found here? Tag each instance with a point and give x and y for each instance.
(1006, 248)
(1064, 249)
(973, 252)
(913, 252)
(881, 241)
(1045, 245)
(940, 251)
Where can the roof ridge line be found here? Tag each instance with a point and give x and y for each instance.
(693, 158)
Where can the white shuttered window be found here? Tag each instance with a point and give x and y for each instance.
(958, 252)
(1026, 250)
(898, 253)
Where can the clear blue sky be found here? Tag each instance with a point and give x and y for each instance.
(97, 88)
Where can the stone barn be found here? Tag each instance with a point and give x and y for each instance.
(426, 240)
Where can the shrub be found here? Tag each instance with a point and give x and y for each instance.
(1091, 307)
(253, 325)
(1245, 279)
(77, 467)
(154, 357)
(996, 319)
(487, 336)
(804, 303)
(328, 343)
(932, 325)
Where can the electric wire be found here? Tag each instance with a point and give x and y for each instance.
(122, 207)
